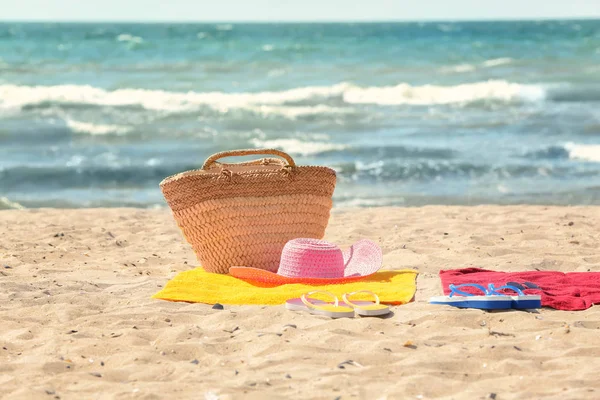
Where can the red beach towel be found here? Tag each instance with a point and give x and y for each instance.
(563, 291)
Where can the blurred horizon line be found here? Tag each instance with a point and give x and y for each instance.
(292, 22)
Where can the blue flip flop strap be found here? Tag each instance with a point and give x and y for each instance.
(454, 289)
(496, 290)
(516, 284)
(531, 285)
(524, 285)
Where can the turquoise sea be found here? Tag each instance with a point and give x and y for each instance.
(407, 113)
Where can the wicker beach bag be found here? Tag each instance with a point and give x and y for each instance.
(243, 214)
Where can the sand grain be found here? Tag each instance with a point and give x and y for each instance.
(77, 321)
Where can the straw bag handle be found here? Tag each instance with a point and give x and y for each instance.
(236, 153)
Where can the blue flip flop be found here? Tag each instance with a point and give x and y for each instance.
(521, 301)
(524, 285)
(488, 301)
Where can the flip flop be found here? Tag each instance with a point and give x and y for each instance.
(488, 301)
(521, 301)
(524, 285)
(366, 308)
(319, 307)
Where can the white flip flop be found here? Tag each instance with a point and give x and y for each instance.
(366, 308)
(319, 307)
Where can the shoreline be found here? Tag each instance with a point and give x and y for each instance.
(77, 318)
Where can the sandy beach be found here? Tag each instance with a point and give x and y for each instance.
(77, 320)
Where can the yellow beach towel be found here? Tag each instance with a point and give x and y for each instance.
(199, 286)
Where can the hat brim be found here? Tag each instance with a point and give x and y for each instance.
(362, 259)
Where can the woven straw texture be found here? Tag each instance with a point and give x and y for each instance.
(243, 214)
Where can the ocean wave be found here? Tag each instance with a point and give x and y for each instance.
(403, 152)
(548, 153)
(494, 62)
(359, 202)
(15, 96)
(569, 150)
(294, 112)
(585, 152)
(77, 175)
(96, 129)
(498, 90)
(6, 204)
(317, 144)
(574, 93)
(26, 178)
(125, 37)
(432, 171)
(459, 68)
(389, 171)
(295, 146)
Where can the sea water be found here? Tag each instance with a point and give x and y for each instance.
(406, 113)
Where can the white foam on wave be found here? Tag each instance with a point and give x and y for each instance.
(126, 37)
(368, 202)
(586, 152)
(293, 112)
(284, 102)
(497, 62)
(96, 129)
(459, 68)
(5, 203)
(13, 96)
(376, 166)
(295, 146)
(498, 90)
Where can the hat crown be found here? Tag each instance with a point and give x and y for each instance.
(311, 258)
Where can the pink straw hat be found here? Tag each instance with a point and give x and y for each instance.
(316, 261)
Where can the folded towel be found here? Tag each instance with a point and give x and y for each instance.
(199, 286)
(569, 291)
